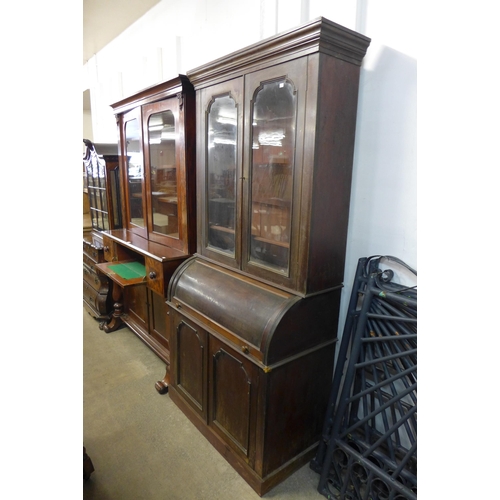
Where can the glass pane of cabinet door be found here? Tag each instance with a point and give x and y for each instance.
(97, 190)
(272, 163)
(220, 171)
(113, 186)
(166, 175)
(163, 173)
(134, 171)
(275, 103)
(221, 174)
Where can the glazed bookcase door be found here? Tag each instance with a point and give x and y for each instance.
(165, 175)
(134, 173)
(113, 186)
(219, 163)
(275, 110)
(96, 188)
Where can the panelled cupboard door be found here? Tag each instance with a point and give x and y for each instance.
(158, 326)
(233, 399)
(219, 163)
(275, 103)
(189, 363)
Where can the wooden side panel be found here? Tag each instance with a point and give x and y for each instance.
(310, 322)
(337, 94)
(297, 398)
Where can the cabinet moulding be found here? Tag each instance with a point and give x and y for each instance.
(320, 35)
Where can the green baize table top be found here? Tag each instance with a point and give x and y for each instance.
(129, 270)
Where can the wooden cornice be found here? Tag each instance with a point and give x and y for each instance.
(152, 94)
(319, 35)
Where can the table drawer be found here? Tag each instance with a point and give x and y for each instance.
(95, 280)
(91, 295)
(91, 251)
(155, 276)
(97, 300)
(89, 262)
(110, 253)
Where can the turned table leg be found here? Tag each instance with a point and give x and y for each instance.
(116, 319)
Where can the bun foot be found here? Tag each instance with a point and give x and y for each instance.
(162, 385)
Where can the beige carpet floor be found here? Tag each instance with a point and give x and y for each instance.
(141, 445)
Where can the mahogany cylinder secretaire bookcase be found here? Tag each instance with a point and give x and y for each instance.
(254, 313)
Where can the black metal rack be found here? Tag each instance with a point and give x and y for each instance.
(368, 449)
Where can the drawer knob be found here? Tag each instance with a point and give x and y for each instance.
(106, 249)
(245, 349)
(152, 275)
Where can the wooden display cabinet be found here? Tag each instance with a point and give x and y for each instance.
(101, 181)
(157, 144)
(254, 314)
(277, 123)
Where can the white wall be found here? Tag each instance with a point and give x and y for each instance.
(87, 126)
(175, 37)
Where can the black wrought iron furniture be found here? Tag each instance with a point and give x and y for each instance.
(369, 445)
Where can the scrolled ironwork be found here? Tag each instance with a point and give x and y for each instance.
(368, 449)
